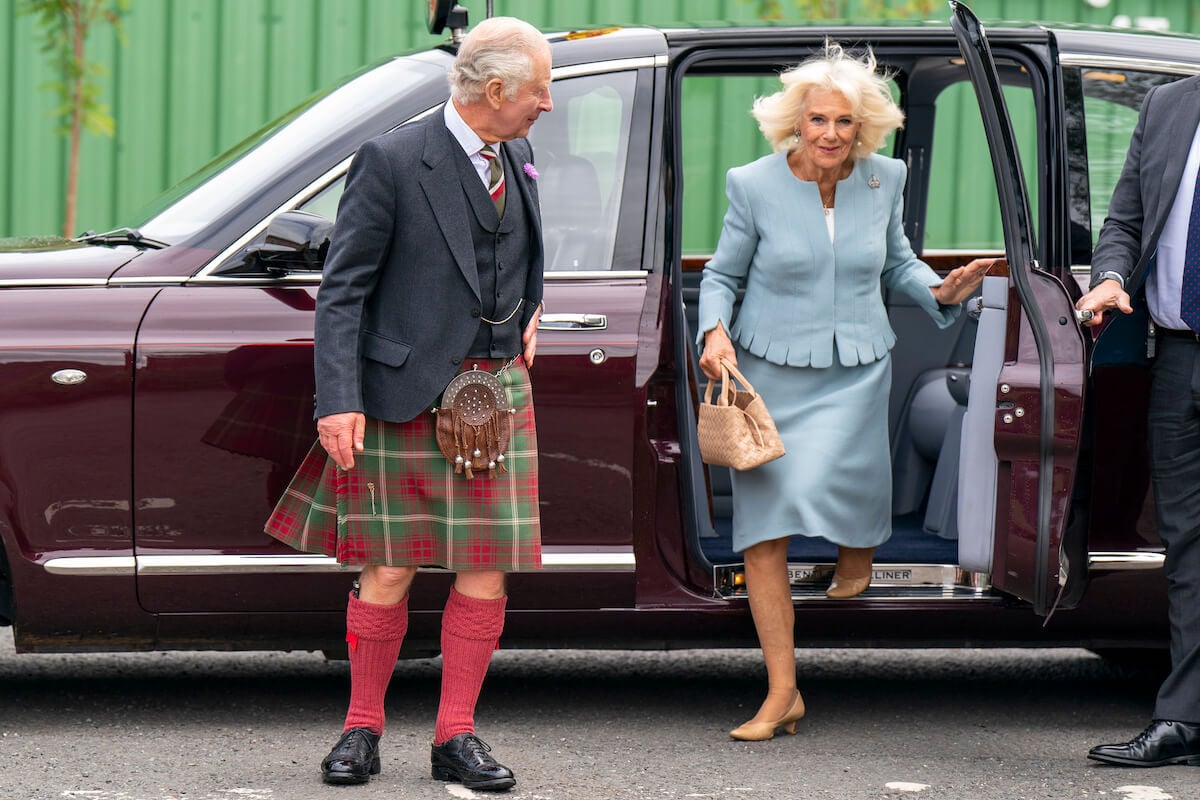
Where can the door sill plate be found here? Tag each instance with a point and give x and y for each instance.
(888, 582)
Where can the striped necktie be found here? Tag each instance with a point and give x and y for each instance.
(495, 178)
(1189, 301)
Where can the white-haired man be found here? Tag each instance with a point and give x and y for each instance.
(435, 270)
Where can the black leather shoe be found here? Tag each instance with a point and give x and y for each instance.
(464, 759)
(1164, 742)
(354, 759)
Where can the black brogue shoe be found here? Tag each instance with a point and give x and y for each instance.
(466, 759)
(354, 759)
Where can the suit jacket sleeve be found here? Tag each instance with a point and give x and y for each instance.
(727, 269)
(903, 271)
(359, 247)
(1120, 242)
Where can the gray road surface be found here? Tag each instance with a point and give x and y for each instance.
(882, 725)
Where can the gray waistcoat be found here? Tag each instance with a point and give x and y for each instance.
(502, 248)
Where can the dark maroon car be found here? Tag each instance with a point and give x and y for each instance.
(157, 389)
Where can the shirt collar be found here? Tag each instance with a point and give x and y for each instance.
(467, 139)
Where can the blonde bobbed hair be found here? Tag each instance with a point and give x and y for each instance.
(833, 70)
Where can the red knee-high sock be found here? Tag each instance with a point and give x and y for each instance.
(374, 634)
(470, 631)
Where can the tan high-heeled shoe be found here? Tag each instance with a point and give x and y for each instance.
(761, 731)
(852, 575)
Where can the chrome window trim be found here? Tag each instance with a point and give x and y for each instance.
(615, 560)
(1127, 62)
(296, 279)
(594, 274)
(149, 280)
(600, 67)
(313, 278)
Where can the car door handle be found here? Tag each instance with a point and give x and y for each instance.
(573, 322)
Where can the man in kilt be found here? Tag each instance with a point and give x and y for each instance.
(435, 270)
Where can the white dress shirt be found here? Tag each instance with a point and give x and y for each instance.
(1164, 285)
(468, 140)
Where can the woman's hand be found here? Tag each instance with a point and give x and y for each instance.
(716, 347)
(961, 283)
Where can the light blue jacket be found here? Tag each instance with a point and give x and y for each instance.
(805, 295)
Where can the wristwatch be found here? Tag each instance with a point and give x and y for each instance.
(1101, 277)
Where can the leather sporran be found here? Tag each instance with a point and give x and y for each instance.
(474, 423)
(736, 430)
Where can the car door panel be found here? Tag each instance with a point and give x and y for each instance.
(223, 416)
(66, 503)
(584, 391)
(1039, 391)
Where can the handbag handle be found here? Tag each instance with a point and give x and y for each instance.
(729, 374)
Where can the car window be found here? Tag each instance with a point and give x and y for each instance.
(325, 202)
(1111, 101)
(963, 210)
(581, 149)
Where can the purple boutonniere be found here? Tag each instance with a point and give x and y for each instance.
(530, 171)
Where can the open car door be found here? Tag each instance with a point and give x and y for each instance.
(1038, 393)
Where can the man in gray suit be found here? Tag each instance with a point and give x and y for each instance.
(1150, 243)
(434, 271)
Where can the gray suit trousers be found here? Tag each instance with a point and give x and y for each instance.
(1174, 426)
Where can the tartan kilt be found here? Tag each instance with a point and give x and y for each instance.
(402, 505)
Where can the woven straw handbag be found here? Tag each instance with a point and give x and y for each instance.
(736, 431)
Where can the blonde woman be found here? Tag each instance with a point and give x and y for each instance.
(813, 232)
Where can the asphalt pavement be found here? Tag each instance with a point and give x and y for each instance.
(574, 725)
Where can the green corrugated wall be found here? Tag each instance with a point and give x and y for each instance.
(197, 76)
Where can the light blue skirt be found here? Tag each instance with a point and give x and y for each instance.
(836, 479)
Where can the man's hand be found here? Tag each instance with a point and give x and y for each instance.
(342, 436)
(529, 338)
(1108, 294)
